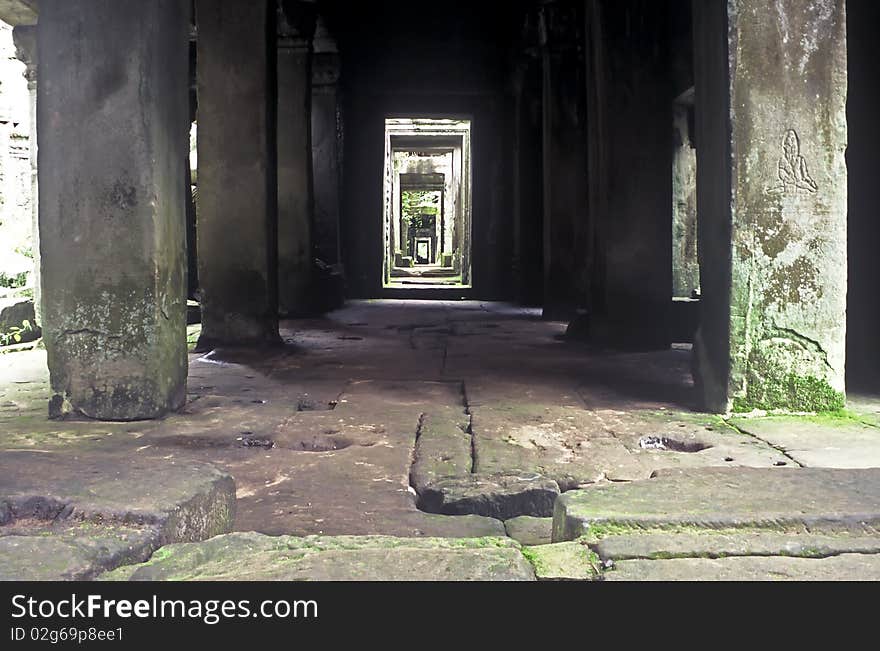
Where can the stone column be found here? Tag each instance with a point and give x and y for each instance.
(112, 128)
(630, 171)
(237, 180)
(772, 204)
(527, 178)
(526, 80)
(295, 201)
(325, 145)
(25, 39)
(564, 162)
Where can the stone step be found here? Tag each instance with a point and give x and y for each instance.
(815, 499)
(252, 556)
(846, 567)
(724, 544)
(644, 556)
(184, 502)
(72, 553)
(68, 518)
(529, 530)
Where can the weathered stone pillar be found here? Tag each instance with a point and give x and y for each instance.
(566, 219)
(325, 145)
(527, 176)
(237, 180)
(630, 171)
(771, 193)
(295, 202)
(25, 38)
(112, 120)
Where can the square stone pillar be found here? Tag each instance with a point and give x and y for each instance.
(629, 112)
(566, 216)
(771, 202)
(112, 128)
(295, 201)
(237, 179)
(527, 178)
(325, 145)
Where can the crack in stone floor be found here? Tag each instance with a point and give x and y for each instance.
(413, 419)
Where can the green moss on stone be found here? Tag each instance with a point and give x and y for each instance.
(533, 558)
(572, 560)
(597, 531)
(159, 555)
(193, 332)
(791, 392)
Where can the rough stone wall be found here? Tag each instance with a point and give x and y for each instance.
(786, 212)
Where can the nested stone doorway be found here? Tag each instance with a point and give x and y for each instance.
(427, 205)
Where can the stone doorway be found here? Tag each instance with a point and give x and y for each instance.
(685, 315)
(427, 203)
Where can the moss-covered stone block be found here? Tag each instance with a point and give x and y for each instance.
(564, 561)
(791, 392)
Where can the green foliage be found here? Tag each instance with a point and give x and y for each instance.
(18, 280)
(26, 251)
(15, 334)
(532, 557)
(417, 203)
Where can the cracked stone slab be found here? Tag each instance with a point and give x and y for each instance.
(577, 447)
(75, 553)
(529, 530)
(817, 499)
(690, 440)
(580, 459)
(186, 501)
(494, 496)
(846, 567)
(565, 561)
(252, 556)
(714, 544)
(443, 449)
(820, 442)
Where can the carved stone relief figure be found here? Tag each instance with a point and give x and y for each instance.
(792, 168)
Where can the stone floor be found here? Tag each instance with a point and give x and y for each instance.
(399, 420)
